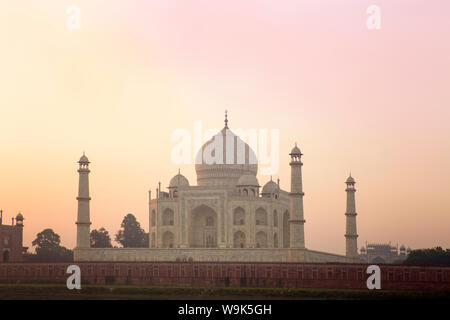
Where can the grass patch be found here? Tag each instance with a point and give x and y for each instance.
(59, 291)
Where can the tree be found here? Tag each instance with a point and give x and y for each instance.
(48, 248)
(429, 256)
(100, 238)
(131, 235)
(47, 239)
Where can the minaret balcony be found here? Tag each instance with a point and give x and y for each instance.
(83, 198)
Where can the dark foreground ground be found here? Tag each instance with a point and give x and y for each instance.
(96, 292)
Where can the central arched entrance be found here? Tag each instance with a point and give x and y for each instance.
(203, 227)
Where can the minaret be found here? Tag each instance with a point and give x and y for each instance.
(83, 221)
(19, 235)
(350, 234)
(296, 221)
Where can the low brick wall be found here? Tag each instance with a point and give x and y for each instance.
(229, 274)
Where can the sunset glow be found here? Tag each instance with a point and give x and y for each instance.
(373, 103)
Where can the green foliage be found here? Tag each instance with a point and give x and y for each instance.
(59, 291)
(131, 235)
(100, 239)
(47, 239)
(429, 256)
(59, 254)
(48, 248)
(31, 257)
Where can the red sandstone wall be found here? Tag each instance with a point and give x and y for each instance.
(280, 275)
(14, 233)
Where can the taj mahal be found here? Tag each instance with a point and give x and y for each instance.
(227, 216)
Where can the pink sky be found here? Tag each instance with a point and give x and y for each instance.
(375, 103)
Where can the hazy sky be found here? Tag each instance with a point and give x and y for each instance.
(373, 102)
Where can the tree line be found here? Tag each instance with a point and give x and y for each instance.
(428, 256)
(130, 235)
(48, 243)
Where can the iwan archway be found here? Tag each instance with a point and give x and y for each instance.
(203, 227)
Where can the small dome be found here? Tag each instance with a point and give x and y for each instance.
(295, 150)
(178, 181)
(362, 249)
(270, 187)
(248, 180)
(19, 217)
(350, 180)
(408, 250)
(83, 159)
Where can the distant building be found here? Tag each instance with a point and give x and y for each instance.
(383, 253)
(11, 240)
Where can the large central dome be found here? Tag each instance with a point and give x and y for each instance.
(224, 159)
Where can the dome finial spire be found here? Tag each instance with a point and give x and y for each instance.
(226, 119)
